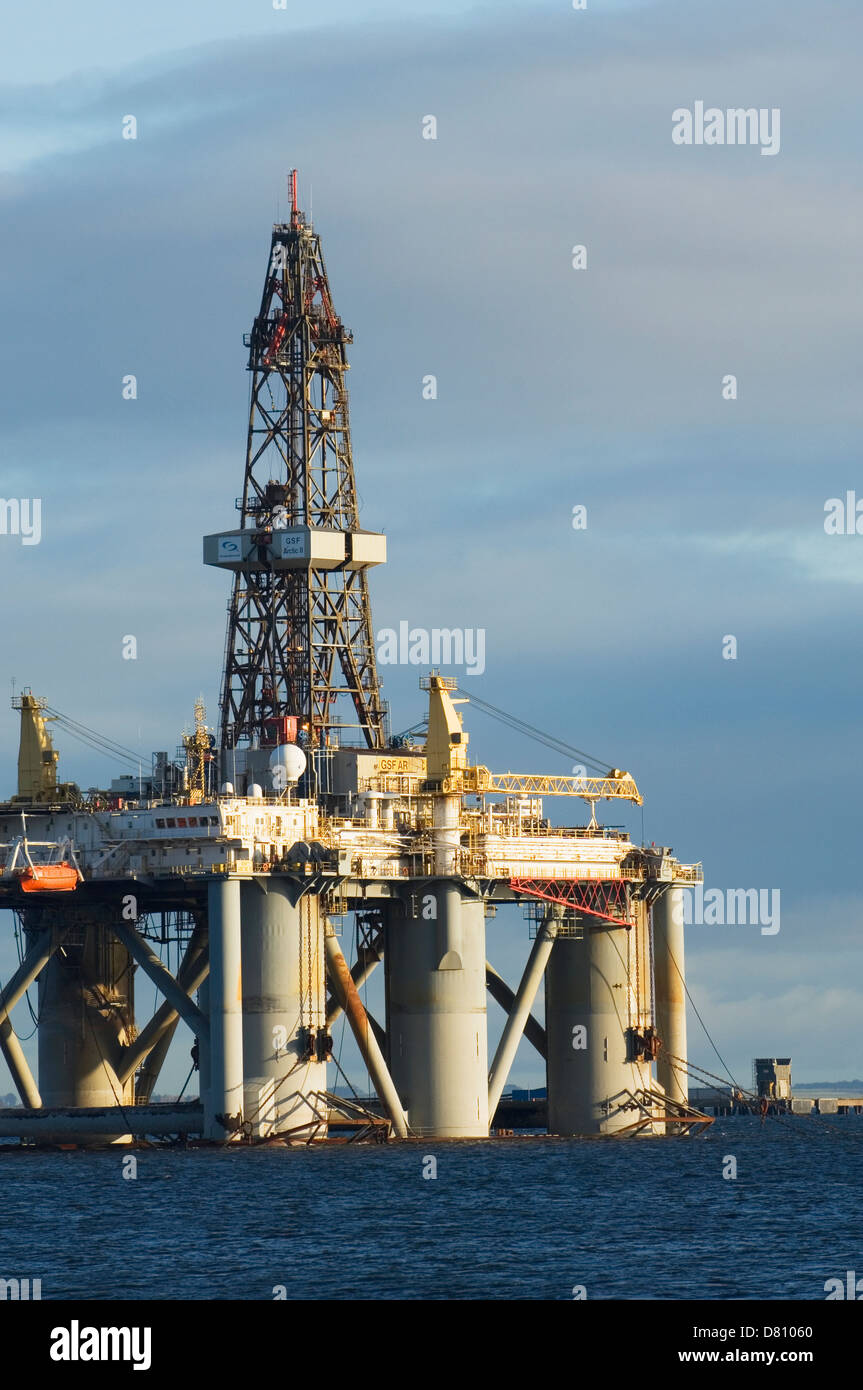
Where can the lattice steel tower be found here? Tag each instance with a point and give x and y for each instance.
(300, 641)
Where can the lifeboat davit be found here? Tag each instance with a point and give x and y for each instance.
(49, 878)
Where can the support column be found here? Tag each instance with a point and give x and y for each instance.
(362, 968)
(591, 1002)
(152, 1044)
(436, 1009)
(520, 1011)
(142, 952)
(204, 1042)
(640, 941)
(285, 1041)
(669, 975)
(447, 834)
(225, 1093)
(22, 1076)
(86, 1011)
(503, 995)
(366, 1039)
(42, 947)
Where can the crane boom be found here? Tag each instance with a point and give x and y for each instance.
(450, 772)
(617, 786)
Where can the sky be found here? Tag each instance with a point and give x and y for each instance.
(557, 387)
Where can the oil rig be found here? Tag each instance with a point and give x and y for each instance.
(242, 856)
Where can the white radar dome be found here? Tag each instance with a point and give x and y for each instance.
(227, 789)
(287, 764)
(256, 790)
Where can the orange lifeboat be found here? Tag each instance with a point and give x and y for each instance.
(49, 878)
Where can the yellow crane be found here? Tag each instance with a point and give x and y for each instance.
(198, 746)
(616, 784)
(37, 757)
(448, 768)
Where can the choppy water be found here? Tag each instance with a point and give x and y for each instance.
(521, 1218)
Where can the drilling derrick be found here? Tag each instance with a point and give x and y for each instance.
(300, 660)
